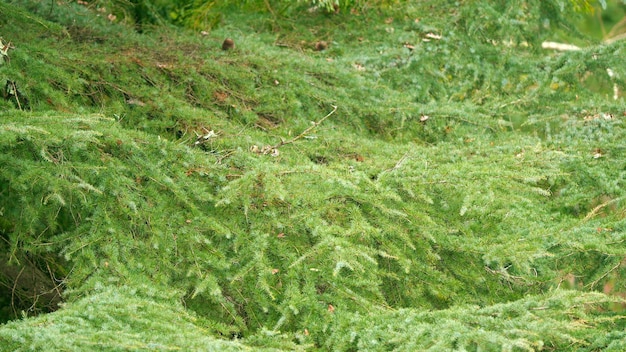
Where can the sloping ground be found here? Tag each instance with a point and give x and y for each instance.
(427, 181)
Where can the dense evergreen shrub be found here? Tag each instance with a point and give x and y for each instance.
(432, 179)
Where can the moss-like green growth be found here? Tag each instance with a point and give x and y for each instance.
(429, 169)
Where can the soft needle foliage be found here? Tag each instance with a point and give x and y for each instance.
(433, 179)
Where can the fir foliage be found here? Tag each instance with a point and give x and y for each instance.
(111, 319)
(433, 179)
(531, 324)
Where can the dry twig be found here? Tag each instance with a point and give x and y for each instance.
(273, 149)
(306, 131)
(597, 209)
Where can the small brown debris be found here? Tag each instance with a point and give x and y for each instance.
(321, 45)
(201, 139)
(265, 150)
(228, 44)
(137, 102)
(358, 66)
(597, 153)
(220, 96)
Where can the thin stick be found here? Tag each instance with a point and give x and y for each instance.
(471, 123)
(615, 38)
(595, 210)
(620, 25)
(395, 167)
(595, 282)
(400, 162)
(17, 98)
(305, 132)
(15, 288)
